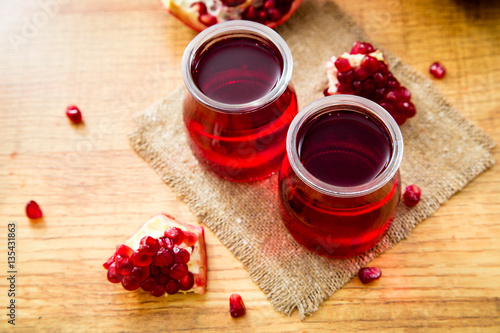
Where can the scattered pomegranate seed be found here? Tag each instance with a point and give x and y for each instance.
(175, 234)
(437, 69)
(236, 306)
(412, 195)
(74, 114)
(33, 211)
(369, 274)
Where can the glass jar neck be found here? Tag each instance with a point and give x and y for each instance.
(345, 103)
(236, 29)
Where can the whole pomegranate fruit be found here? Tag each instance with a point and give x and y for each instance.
(200, 14)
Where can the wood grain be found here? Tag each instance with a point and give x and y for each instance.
(115, 58)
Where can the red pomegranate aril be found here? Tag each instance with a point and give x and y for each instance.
(149, 284)
(392, 83)
(186, 282)
(123, 265)
(274, 14)
(383, 68)
(357, 86)
(139, 274)
(181, 256)
(207, 19)
(164, 279)
(165, 270)
(404, 94)
(380, 80)
(369, 274)
(124, 251)
(342, 64)
(74, 114)
(200, 7)
(388, 107)
(362, 48)
(175, 234)
(149, 245)
(360, 74)
(129, 283)
(112, 275)
(33, 210)
(369, 64)
(140, 259)
(411, 111)
(391, 96)
(154, 270)
(368, 86)
(412, 195)
(236, 306)
(190, 238)
(158, 291)
(345, 88)
(163, 257)
(110, 261)
(377, 94)
(172, 287)
(232, 3)
(166, 242)
(178, 271)
(346, 77)
(438, 70)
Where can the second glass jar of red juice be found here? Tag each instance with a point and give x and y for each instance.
(239, 101)
(339, 184)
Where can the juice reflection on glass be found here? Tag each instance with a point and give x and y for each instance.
(239, 101)
(339, 184)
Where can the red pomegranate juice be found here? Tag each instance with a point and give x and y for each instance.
(239, 144)
(347, 150)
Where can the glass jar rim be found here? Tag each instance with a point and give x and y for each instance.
(229, 28)
(345, 103)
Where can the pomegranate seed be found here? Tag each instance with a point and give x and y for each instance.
(128, 283)
(190, 238)
(362, 48)
(181, 256)
(140, 259)
(33, 211)
(165, 270)
(158, 291)
(149, 284)
(172, 287)
(368, 86)
(388, 107)
(274, 14)
(412, 195)
(342, 65)
(411, 111)
(110, 261)
(357, 86)
(139, 274)
(232, 3)
(163, 257)
(392, 83)
(369, 274)
(163, 279)
(123, 265)
(250, 14)
(360, 74)
(369, 64)
(380, 80)
(149, 245)
(200, 7)
(74, 114)
(124, 251)
(207, 19)
(346, 77)
(155, 270)
(236, 306)
(112, 275)
(178, 271)
(175, 234)
(391, 96)
(186, 282)
(438, 70)
(345, 88)
(377, 94)
(269, 4)
(404, 94)
(166, 242)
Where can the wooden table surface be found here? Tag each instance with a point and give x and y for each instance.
(113, 59)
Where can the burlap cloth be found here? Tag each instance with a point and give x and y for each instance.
(443, 152)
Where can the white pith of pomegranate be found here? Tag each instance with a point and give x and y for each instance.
(163, 257)
(365, 72)
(200, 14)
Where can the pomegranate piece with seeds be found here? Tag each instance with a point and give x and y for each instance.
(369, 274)
(164, 257)
(437, 69)
(33, 211)
(412, 195)
(365, 72)
(74, 114)
(200, 14)
(236, 306)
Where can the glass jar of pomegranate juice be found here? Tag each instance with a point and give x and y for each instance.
(339, 184)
